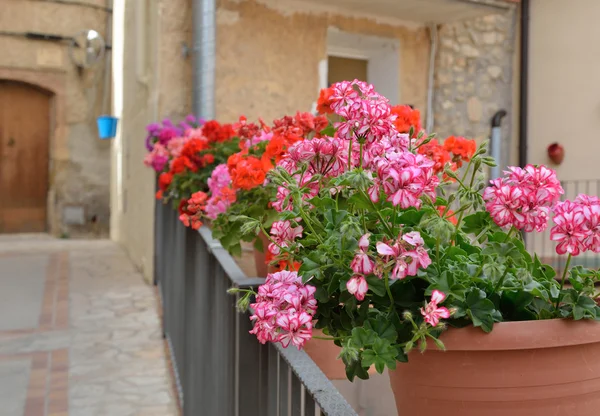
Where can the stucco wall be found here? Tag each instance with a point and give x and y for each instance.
(80, 162)
(267, 59)
(475, 78)
(158, 88)
(564, 99)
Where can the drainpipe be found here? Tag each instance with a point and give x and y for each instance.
(107, 61)
(204, 15)
(433, 41)
(496, 144)
(523, 92)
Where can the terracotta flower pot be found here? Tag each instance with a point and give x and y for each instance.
(260, 259)
(261, 265)
(532, 368)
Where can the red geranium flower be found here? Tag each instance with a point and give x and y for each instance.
(324, 101)
(407, 118)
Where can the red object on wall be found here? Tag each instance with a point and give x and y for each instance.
(556, 153)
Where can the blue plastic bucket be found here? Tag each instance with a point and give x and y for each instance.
(107, 127)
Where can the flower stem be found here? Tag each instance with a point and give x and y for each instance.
(499, 284)
(562, 280)
(306, 220)
(512, 228)
(360, 161)
(383, 221)
(270, 238)
(325, 338)
(389, 292)
(350, 154)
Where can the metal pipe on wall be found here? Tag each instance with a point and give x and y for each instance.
(204, 20)
(496, 144)
(524, 78)
(107, 62)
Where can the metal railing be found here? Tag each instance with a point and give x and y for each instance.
(545, 248)
(221, 369)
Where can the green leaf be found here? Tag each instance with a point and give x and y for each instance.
(475, 223)
(311, 266)
(517, 299)
(376, 285)
(411, 217)
(325, 202)
(355, 369)
(453, 252)
(382, 354)
(363, 337)
(361, 201)
(335, 218)
(481, 310)
(383, 328)
(584, 308)
(328, 131)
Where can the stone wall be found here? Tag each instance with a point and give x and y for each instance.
(474, 77)
(79, 162)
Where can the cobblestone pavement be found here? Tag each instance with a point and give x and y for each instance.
(79, 332)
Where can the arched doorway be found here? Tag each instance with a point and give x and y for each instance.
(24, 144)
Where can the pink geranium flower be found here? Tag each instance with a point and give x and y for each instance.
(523, 197)
(283, 310)
(569, 231)
(432, 312)
(407, 254)
(283, 234)
(358, 287)
(294, 328)
(362, 263)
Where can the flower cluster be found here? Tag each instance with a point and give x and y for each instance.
(404, 178)
(366, 115)
(247, 172)
(577, 226)
(221, 193)
(405, 255)
(407, 118)
(282, 235)
(432, 312)
(157, 158)
(523, 197)
(161, 133)
(284, 309)
(191, 210)
(362, 265)
(214, 132)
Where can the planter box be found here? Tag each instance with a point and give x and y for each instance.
(532, 368)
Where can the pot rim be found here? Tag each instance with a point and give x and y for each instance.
(523, 335)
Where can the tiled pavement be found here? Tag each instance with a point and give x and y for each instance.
(79, 332)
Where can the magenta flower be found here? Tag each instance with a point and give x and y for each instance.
(569, 231)
(294, 328)
(432, 312)
(362, 263)
(407, 255)
(283, 310)
(283, 234)
(157, 158)
(219, 178)
(357, 286)
(523, 197)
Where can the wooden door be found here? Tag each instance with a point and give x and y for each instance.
(24, 143)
